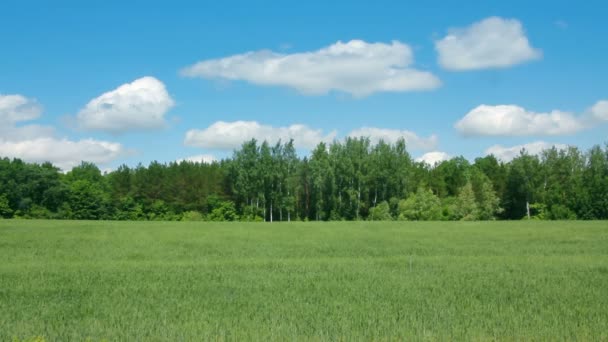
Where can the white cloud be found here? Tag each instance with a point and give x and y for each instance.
(432, 158)
(507, 154)
(139, 105)
(15, 108)
(354, 67)
(36, 143)
(491, 43)
(201, 158)
(230, 135)
(599, 111)
(63, 153)
(511, 120)
(14, 133)
(412, 140)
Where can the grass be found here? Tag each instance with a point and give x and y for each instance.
(152, 281)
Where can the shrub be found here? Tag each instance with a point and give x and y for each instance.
(192, 215)
(423, 205)
(381, 212)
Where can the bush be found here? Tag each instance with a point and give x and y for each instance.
(192, 215)
(466, 207)
(252, 214)
(5, 209)
(561, 212)
(423, 205)
(226, 211)
(381, 212)
(39, 212)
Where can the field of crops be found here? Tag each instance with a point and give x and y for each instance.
(62, 280)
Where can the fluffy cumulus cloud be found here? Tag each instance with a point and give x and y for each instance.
(139, 105)
(15, 108)
(35, 143)
(229, 135)
(508, 153)
(511, 120)
(599, 111)
(63, 153)
(412, 140)
(354, 67)
(223, 135)
(433, 158)
(201, 158)
(491, 43)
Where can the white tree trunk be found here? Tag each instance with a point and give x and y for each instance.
(358, 200)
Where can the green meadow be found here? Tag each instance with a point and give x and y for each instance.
(188, 281)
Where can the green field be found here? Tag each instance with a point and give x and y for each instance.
(63, 280)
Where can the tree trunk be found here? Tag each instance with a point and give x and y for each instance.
(358, 200)
(270, 210)
(375, 196)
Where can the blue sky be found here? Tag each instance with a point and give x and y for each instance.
(386, 79)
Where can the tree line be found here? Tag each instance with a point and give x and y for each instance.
(351, 179)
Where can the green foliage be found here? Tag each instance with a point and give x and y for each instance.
(87, 201)
(38, 212)
(381, 212)
(421, 206)
(561, 212)
(252, 214)
(225, 211)
(129, 209)
(160, 211)
(466, 207)
(538, 211)
(192, 216)
(449, 209)
(343, 180)
(488, 203)
(524, 180)
(5, 209)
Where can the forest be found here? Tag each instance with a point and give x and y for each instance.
(351, 179)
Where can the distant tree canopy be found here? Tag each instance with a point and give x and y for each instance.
(348, 180)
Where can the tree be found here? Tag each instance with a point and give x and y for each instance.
(524, 179)
(291, 178)
(128, 209)
(420, 206)
(466, 208)
(346, 180)
(322, 177)
(226, 211)
(5, 209)
(381, 212)
(495, 171)
(488, 203)
(562, 172)
(595, 184)
(87, 201)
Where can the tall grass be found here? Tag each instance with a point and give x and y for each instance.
(66, 280)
